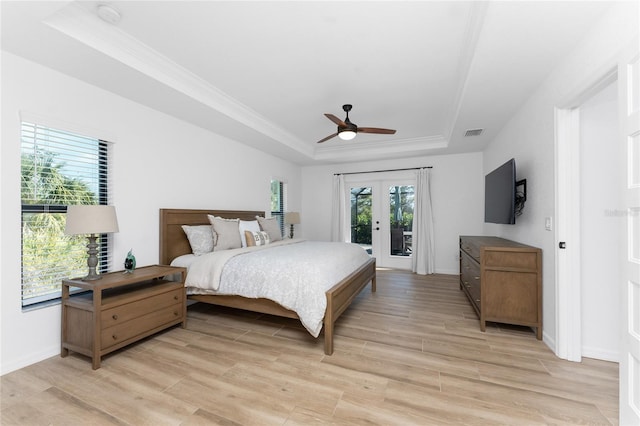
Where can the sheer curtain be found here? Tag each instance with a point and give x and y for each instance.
(338, 214)
(423, 257)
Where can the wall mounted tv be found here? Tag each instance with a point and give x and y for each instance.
(502, 201)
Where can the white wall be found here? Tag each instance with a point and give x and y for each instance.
(158, 162)
(456, 192)
(600, 227)
(529, 138)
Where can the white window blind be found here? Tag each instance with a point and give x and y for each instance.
(58, 168)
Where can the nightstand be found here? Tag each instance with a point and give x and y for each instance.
(120, 309)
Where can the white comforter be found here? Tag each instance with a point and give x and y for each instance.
(294, 273)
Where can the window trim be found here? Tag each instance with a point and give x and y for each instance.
(102, 195)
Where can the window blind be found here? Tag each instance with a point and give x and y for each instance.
(58, 168)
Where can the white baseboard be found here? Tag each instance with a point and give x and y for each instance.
(601, 354)
(448, 271)
(8, 367)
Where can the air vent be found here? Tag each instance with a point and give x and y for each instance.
(473, 132)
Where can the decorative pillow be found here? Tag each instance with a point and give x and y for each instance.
(200, 238)
(259, 238)
(247, 225)
(227, 231)
(271, 227)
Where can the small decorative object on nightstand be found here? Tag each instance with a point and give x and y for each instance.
(121, 309)
(292, 218)
(130, 262)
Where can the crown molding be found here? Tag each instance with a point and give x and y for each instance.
(388, 148)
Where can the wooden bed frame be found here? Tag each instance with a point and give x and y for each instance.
(174, 243)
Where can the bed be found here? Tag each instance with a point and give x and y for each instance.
(174, 243)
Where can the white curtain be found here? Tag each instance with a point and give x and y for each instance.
(338, 214)
(423, 257)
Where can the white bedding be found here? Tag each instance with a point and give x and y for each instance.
(294, 273)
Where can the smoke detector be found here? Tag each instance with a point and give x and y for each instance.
(109, 14)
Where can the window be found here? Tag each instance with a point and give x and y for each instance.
(278, 203)
(58, 168)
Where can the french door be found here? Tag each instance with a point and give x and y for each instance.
(381, 219)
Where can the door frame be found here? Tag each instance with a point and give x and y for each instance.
(567, 303)
(568, 343)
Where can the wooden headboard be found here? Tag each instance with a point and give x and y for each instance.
(173, 240)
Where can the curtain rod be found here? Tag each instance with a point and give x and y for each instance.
(381, 171)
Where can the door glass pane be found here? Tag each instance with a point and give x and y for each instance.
(401, 219)
(361, 217)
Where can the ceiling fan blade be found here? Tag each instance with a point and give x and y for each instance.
(336, 120)
(328, 137)
(376, 130)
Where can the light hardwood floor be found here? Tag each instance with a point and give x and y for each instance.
(412, 353)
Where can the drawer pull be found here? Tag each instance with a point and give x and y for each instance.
(175, 314)
(175, 297)
(114, 316)
(476, 278)
(115, 337)
(477, 300)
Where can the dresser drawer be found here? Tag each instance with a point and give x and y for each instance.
(470, 277)
(121, 332)
(510, 259)
(474, 291)
(470, 247)
(468, 265)
(123, 313)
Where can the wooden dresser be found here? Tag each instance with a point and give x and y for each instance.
(121, 308)
(503, 281)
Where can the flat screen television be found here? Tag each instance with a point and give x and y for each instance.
(500, 194)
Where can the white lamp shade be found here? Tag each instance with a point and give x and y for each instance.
(292, 218)
(347, 135)
(91, 220)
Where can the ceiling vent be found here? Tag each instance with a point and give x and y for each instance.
(473, 132)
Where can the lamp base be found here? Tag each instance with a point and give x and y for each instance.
(92, 277)
(291, 231)
(92, 261)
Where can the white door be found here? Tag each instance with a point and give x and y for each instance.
(629, 107)
(381, 219)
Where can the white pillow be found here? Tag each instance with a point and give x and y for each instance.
(247, 225)
(270, 226)
(259, 238)
(200, 238)
(227, 231)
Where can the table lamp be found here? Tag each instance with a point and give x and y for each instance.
(292, 218)
(91, 220)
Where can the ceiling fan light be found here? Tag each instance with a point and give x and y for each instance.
(347, 135)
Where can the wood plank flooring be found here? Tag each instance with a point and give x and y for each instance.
(411, 353)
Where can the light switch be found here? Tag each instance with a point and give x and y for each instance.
(548, 223)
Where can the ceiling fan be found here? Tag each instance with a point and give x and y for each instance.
(347, 130)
